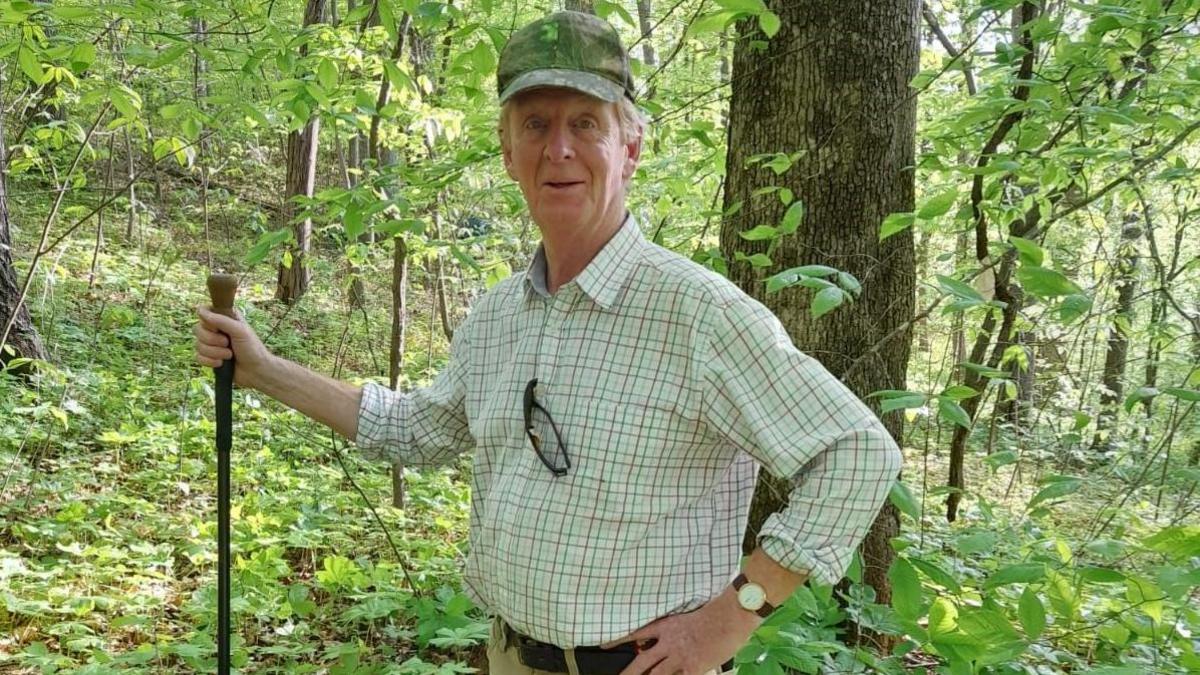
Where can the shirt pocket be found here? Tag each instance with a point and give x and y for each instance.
(638, 460)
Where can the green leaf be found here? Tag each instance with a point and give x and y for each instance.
(999, 459)
(1032, 613)
(327, 74)
(826, 301)
(1059, 486)
(82, 56)
(73, 13)
(399, 79)
(1021, 573)
(958, 288)
(1146, 596)
(953, 412)
(1178, 542)
(959, 392)
(906, 590)
(936, 574)
(752, 7)
(896, 223)
(1100, 575)
(792, 218)
(31, 65)
(768, 21)
(711, 23)
(943, 617)
(1142, 394)
(977, 542)
(902, 403)
(1073, 307)
(125, 101)
(1183, 394)
(938, 204)
(171, 110)
(903, 499)
(170, 55)
(1046, 283)
(760, 232)
(1030, 253)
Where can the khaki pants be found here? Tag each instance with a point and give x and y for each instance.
(503, 661)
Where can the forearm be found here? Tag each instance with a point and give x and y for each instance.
(324, 399)
(778, 582)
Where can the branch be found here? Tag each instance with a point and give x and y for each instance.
(1136, 169)
(948, 46)
(1020, 93)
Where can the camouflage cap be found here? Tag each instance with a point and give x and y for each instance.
(566, 49)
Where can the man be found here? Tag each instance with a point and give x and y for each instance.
(616, 397)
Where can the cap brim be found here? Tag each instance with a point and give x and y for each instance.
(588, 83)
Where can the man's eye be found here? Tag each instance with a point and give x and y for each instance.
(586, 124)
(533, 124)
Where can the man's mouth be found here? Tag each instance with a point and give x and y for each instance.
(562, 184)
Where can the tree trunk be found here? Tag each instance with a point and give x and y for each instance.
(1117, 351)
(396, 351)
(832, 84)
(23, 339)
(301, 175)
(999, 279)
(584, 6)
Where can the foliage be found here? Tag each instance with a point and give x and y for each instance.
(1076, 549)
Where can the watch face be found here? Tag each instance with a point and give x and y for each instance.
(752, 596)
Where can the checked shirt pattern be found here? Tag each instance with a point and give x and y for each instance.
(670, 387)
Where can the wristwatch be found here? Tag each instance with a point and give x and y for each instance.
(752, 597)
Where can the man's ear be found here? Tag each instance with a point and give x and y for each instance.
(506, 154)
(508, 167)
(633, 153)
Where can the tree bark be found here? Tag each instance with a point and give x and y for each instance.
(1117, 350)
(396, 350)
(584, 6)
(833, 86)
(301, 174)
(24, 340)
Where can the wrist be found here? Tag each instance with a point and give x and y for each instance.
(258, 375)
(730, 610)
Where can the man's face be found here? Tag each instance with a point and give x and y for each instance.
(564, 148)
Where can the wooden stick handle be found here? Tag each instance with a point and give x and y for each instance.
(222, 288)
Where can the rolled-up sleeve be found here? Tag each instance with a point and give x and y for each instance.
(802, 424)
(426, 427)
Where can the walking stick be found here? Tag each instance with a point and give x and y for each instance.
(222, 288)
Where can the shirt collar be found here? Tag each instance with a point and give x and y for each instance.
(605, 275)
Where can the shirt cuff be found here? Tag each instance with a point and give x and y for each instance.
(825, 564)
(382, 416)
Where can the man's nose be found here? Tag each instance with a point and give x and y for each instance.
(559, 144)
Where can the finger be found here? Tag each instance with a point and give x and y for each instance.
(214, 352)
(207, 362)
(667, 666)
(644, 662)
(221, 322)
(646, 632)
(209, 337)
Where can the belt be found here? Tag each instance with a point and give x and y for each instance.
(590, 660)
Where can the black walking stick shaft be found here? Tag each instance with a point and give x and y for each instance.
(222, 288)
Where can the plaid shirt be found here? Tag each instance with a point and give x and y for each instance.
(667, 384)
